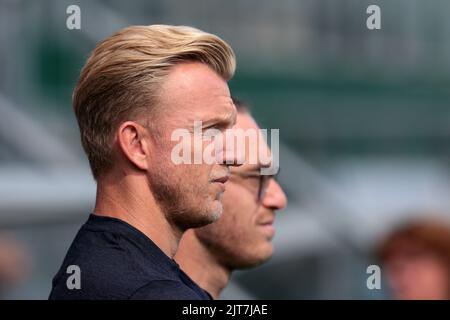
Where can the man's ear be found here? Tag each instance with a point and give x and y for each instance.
(134, 143)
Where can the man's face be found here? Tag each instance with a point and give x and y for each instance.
(190, 194)
(241, 238)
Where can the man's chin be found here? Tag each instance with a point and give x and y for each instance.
(263, 254)
(254, 261)
(217, 211)
(211, 215)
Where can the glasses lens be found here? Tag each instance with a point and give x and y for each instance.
(264, 181)
(263, 184)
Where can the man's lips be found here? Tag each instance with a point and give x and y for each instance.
(267, 222)
(267, 227)
(221, 179)
(221, 182)
(267, 217)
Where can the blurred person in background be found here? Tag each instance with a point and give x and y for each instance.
(242, 237)
(14, 263)
(416, 260)
(137, 87)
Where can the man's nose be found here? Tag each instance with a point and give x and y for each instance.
(274, 197)
(231, 157)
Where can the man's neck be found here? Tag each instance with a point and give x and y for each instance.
(134, 203)
(201, 265)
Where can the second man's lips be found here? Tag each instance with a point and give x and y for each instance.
(267, 222)
(267, 219)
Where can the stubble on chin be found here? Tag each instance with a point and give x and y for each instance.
(179, 203)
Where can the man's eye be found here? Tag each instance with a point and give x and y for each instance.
(215, 127)
(212, 132)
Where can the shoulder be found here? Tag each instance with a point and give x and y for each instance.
(105, 269)
(165, 290)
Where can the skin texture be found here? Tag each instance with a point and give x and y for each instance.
(241, 238)
(145, 188)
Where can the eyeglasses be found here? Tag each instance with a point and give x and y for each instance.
(263, 180)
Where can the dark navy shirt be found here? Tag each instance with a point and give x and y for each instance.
(117, 261)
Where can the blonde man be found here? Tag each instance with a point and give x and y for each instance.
(137, 87)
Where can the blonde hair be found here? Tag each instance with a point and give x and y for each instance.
(124, 72)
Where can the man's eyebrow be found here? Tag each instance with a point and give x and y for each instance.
(228, 118)
(234, 115)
